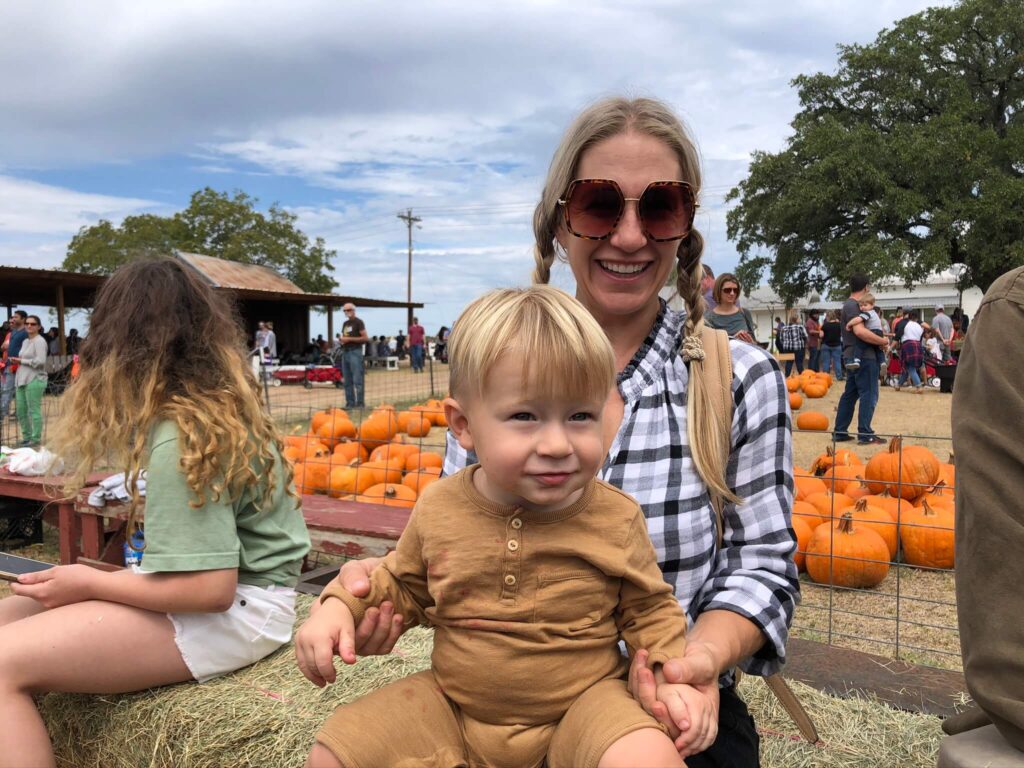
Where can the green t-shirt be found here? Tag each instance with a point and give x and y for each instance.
(265, 545)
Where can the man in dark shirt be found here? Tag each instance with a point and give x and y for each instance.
(353, 337)
(861, 384)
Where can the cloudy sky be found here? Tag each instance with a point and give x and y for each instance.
(348, 112)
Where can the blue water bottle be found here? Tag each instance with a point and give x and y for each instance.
(134, 556)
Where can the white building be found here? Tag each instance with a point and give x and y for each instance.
(765, 305)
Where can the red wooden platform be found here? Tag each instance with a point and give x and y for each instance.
(336, 526)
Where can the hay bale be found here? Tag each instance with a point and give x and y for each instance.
(267, 715)
(264, 715)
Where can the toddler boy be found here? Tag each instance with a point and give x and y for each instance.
(529, 569)
(873, 323)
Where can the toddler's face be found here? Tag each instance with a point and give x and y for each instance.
(866, 307)
(533, 453)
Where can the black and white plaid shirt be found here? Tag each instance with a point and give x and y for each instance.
(792, 337)
(753, 574)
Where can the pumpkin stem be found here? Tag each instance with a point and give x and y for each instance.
(846, 523)
(895, 444)
(861, 505)
(928, 511)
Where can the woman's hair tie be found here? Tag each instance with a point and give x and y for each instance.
(693, 348)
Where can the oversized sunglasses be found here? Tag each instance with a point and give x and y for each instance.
(594, 207)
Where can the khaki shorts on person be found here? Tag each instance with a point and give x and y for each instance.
(411, 724)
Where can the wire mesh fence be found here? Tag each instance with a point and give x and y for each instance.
(876, 548)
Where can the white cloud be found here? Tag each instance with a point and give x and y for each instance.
(30, 207)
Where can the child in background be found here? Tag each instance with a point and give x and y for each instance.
(873, 323)
(932, 347)
(224, 537)
(528, 567)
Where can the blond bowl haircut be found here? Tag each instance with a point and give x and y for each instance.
(709, 444)
(563, 350)
(867, 298)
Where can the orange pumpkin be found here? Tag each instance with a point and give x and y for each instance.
(857, 489)
(796, 400)
(831, 457)
(352, 450)
(299, 478)
(805, 485)
(435, 412)
(393, 450)
(891, 504)
(343, 480)
(830, 505)
(878, 520)
(335, 430)
(383, 470)
(419, 425)
(792, 384)
(839, 477)
(939, 495)
(423, 459)
(379, 428)
(421, 479)
(316, 450)
(803, 537)
(927, 535)
(389, 494)
(312, 476)
(812, 420)
(293, 454)
(902, 470)
(847, 554)
(808, 513)
(323, 417)
(815, 389)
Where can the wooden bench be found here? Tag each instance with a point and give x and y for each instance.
(46, 490)
(94, 535)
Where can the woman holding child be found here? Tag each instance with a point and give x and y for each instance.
(164, 385)
(618, 206)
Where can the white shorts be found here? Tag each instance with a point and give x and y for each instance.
(259, 622)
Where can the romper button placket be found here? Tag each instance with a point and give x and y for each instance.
(510, 580)
(517, 523)
(513, 545)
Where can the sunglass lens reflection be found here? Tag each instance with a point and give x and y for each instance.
(665, 211)
(594, 209)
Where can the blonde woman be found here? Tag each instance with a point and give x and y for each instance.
(163, 385)
(618, 207)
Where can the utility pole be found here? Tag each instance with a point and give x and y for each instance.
(409, 220)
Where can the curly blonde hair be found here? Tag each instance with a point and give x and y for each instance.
(162, 346)
(709, 443)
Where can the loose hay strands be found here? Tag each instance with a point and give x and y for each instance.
(268, 714)
(264, 715)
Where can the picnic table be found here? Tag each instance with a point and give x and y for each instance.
(94, 535)
(46, 489)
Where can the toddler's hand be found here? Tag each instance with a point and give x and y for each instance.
(328, 633)
(693, 712)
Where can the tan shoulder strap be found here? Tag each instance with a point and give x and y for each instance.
(718, 380)
(718, 377)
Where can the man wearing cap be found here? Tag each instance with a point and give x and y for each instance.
(944, 327)
(353, 337)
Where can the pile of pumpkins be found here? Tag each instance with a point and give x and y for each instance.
(378, 461)
(851, 518)
(810, 385)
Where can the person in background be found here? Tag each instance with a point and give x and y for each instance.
(73, 341)
(776, 331)
(959, 314)
(727, 315)
(353, 337)
(832, 346)
(441, 347)
(793, 338)
(11, 348)
(30, 382)
(988, 400)
(911, 351)
(707, 285)
(932, 347)
(814, 334)
(416, 340)
(270, 341)
(400, 344)
(862, 383)
(943, 327)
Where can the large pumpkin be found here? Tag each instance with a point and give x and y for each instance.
(927, 535)
(812, 420)
(840, 477)
(938, 496)
(384, 470)
(418, 461)
(905, 471)
(847, 554)
(796, 400)
(793, 384)
(379, 428)
(830, 505)
(878, 520)
(803, 537)
(832, 457)
(418, 425)
(336, 429)
(393, 450)
(421, 479)
(815, 389)
(389, 494)
(351, 450)
(808, 513)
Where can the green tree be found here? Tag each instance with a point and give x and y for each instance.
(214, 224)
(907, 160)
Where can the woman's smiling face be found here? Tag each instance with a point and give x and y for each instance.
(621, 275)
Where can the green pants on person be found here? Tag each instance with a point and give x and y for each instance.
(29, 398)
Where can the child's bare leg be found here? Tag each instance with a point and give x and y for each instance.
(321, 757)
(90, 647)
(648, 747)
(16, 607)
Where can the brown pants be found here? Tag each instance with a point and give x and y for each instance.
(988, 422)
(411, 724)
